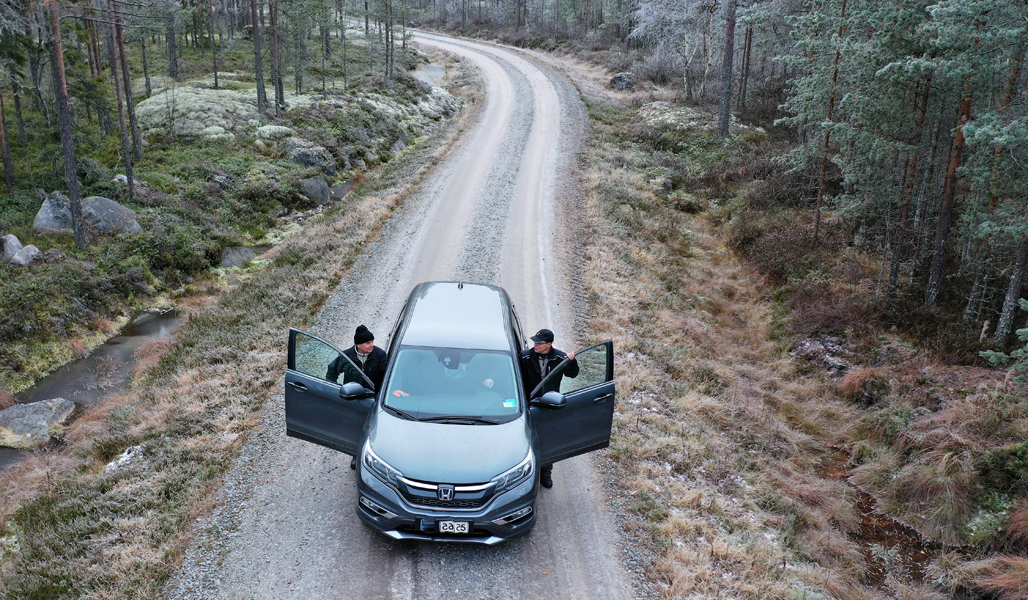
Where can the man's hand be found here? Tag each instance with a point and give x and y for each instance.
(571, 356)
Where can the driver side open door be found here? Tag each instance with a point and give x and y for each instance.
(584, 423)
(314, 410)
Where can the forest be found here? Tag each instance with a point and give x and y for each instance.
(879, 187)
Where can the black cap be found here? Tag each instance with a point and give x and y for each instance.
(543, 335)
(362, 335)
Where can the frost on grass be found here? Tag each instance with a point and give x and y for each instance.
(665, 115)
(196, 110)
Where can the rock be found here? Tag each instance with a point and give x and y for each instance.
(316, 188)
(90, 171)
(398, 146)
(360, 164)
(371, 157)
(54, 214)
(307, 153)
(33, 425)
(54, 255)
(120, 178)
(132, 454)
(217, 132)
(107, 216)
(273, 132)
(622, 82)
(341, 189)
(26, 255)
(236, 256)
(260, 145)
(823, 351)
(9, 246)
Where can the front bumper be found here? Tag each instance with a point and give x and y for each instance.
(382, 508)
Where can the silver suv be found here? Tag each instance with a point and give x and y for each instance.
(450, 448)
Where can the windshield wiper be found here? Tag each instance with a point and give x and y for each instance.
(459, 418)
(405, 415)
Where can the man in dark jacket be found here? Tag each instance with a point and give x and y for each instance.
(536, 364)
(368, 357)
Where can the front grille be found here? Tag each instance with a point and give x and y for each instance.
(444, 503)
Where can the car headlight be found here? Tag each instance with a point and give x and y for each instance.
(379, 467)
(512, 477)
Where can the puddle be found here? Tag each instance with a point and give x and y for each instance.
(889, 547)
(106, 371)
(433, 74)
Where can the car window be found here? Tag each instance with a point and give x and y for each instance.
(429, 382)
(592, 370)
(314, 357)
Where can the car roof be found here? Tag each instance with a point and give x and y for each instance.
(458, 315)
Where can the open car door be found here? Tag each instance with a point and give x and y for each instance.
(314, 410)
(584, 423)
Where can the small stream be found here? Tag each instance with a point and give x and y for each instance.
(433, 74)
(888, 546)
(104, 372)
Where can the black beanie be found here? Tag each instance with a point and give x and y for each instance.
(362, 335)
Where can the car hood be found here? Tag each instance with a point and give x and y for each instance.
(445, 453)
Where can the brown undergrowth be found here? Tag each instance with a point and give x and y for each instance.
(721, 434)
(75, 528)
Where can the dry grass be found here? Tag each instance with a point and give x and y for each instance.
(1005, 576)
(74, 530)
(723, 437)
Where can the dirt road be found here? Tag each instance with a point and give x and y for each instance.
(495, 210)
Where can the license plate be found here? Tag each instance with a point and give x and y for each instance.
(459, 527)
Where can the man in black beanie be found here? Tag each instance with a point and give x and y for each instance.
(368, 357)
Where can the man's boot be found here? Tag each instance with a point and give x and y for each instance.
(546, 476)
(353, 463)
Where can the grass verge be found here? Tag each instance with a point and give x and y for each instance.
(722, 437)
(72, 527)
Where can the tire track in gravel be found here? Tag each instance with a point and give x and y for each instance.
(490, 212)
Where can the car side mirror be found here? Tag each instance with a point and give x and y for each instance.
(354, 391)
(552, 400)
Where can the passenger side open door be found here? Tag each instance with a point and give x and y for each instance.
(584, 422)
(315, 411)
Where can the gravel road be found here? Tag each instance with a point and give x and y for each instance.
(499, 209)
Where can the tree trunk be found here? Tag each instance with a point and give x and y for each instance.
(64, 120)
(22, 137)
(904, 225)
(126, 152)
(828, 133)
(745, 78)
(258, 68)
(6, 150)
(146, 65)
(1006, 317)
(171, 38)
(276, 65)
(726, 70)
(214, 51)
(948, 201)
(126, 81)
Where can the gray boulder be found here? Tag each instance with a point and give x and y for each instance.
(622, 82)
(236, 256)
(33, 425)
(9, 246)
(398, 146)
(307, 153)
(54, 214)
(26, 255)
(316, 188)
(107, 216)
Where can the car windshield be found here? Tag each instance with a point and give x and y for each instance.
(429, 383)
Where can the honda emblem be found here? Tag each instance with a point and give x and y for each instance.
(444, 493)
